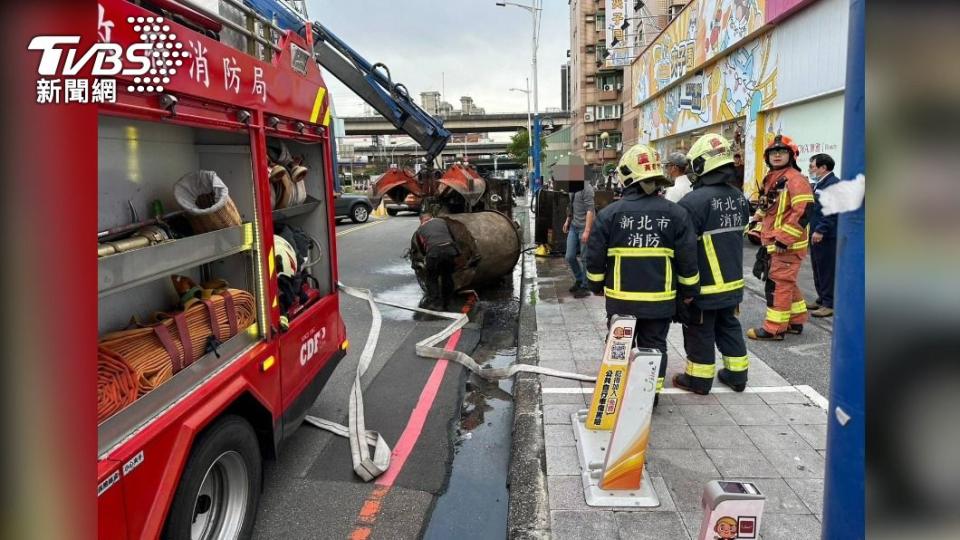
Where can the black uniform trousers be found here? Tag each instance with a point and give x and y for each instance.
(823, 255)
(440, 266)
(651, 334)
(720, 326)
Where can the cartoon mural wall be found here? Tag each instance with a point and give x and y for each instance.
(704, 29)
(753, 89)
(740, 83)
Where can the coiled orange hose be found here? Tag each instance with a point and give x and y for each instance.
(143, 352)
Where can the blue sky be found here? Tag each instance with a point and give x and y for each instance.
(481, 49)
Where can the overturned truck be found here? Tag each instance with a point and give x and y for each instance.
(477, 211)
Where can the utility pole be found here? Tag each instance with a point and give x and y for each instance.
(843, 502)
(534, 9)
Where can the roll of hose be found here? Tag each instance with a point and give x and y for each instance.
(156, 352)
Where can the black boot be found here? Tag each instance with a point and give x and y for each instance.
(724, 376)
(760, 334)
(686, 382)
(795, 329)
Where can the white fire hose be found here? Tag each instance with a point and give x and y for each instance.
(361, 440)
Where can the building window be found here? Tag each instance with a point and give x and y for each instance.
(607, 112)
(600, 22)
(612, 144)
(610, 81)
(601, 54)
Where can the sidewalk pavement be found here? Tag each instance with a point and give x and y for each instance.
(774, 434)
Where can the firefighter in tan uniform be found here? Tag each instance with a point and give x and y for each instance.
(781, 222)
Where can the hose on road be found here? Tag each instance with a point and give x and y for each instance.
(361, 440)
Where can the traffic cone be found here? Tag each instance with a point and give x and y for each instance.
(381, 210)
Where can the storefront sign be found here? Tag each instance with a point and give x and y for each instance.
(619, 38)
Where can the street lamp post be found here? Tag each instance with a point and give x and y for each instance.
(529, 127)
(534, 10)
(604, 144)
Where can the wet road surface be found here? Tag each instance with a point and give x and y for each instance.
(456, 469)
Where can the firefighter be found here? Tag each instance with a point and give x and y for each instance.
(440, 252)
(781, 223)
(719, 213)
(642, 253)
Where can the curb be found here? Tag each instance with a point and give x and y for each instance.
(528, 510)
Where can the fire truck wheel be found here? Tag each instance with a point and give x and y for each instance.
(220, 486)
(359, 213)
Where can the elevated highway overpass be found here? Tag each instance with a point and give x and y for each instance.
(468, 123)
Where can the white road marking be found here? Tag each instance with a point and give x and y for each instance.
(357, 228)
(808, 349)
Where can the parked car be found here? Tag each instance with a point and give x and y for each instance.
(411, 203)
(353, 206)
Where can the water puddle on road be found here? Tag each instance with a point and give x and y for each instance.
(475, 503)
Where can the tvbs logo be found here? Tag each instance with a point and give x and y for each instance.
(108, 59)
(148, 63)
(311, 346)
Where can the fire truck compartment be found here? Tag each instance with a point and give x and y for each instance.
(311, 216)
(139, 162)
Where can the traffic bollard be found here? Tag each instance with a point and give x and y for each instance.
(730, 510)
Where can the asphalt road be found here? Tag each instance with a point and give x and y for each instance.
(311, 491)
(803, 359)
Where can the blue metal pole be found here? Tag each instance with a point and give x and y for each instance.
(536, 151)
(843, 503)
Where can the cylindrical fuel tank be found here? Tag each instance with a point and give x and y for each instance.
(489, 245)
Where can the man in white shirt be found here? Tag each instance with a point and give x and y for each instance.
(675, 169)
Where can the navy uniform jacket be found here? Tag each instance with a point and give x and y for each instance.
(642, 251)
(720, 214)
(825, 225)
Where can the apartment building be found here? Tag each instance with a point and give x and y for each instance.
(605, 36)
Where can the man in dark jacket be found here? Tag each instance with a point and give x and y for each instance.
(823, 248)
(642, 253)
(720, 214)
(437, 243)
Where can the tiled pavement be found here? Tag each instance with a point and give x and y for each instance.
(772, 435)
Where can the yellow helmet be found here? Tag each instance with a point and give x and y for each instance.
(709, 152)
(640, 164)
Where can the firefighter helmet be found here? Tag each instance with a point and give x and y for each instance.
(640, 164)
(708, 153)
(286, 257)
(782, 142)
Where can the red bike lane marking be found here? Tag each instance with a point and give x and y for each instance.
(367, 516)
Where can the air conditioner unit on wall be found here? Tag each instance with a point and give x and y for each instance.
(590, 18)
(588, 117)
(608, 88)
(589, 145)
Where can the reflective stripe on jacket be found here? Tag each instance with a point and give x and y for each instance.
(719, 213)
(785, 218)
(643, 250)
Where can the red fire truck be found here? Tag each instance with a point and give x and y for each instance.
(227, 89)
